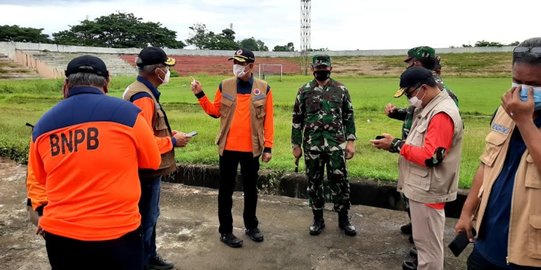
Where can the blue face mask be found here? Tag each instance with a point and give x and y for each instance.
(524, 94)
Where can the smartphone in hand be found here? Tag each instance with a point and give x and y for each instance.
(379, 137)
(460, 242)
(191, 134)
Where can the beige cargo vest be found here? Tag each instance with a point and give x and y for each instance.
(160, 128)
(525, 221)
(439, 183)
(257, 113)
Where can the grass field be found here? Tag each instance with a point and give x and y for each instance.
(24, 101)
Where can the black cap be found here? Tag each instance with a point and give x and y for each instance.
(153, 56)
(243, 55)
(87, 64)
(413, 77)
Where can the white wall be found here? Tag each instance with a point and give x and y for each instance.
(9, 48)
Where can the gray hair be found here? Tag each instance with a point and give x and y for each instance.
(149, 68)
(81, 78)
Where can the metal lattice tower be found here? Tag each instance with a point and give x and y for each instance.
(305, 31)
(305, 25)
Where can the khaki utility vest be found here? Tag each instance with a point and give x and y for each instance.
(525, 221)
(438, 183)
(257, 113)
(161, 128)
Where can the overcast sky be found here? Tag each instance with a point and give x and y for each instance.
(336, 24)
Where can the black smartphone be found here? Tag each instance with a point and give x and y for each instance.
(460, 242)
(379, 137)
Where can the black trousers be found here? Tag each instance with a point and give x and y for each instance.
(249, 167)
(124, 253)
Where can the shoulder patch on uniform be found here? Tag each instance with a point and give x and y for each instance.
(256, 91)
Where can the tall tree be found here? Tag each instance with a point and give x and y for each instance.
(253, 44)
(23, 34)
(118, 30)
(289, 47)
(202, 38)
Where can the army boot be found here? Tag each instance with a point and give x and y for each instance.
(319, 224)
(344, 224)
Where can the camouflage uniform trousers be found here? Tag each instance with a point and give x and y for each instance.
(337, 185)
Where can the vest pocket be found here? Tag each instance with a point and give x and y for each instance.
(259, 108)
(419, 177)
(533, 179)
(493, 145)
(534, 237)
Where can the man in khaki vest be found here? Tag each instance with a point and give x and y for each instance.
(504, 203)
(429, 162)
(244, 106)
(154, 65)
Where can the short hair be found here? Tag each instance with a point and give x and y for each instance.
(83, 78)
(149, 68)
(528, 58)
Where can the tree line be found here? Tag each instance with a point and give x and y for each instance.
(125, 30)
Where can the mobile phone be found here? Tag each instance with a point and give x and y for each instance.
(379, 137)
(460, 242)
(191, 134)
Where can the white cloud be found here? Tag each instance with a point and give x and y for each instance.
(338, 24)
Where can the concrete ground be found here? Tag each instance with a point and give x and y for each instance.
(187, 233)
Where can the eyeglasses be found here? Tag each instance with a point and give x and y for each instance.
(409, 94)
(523, 51)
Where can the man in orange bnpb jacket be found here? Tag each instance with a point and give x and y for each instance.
(85, 154)
(244, 106)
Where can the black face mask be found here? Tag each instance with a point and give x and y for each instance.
(322, 75)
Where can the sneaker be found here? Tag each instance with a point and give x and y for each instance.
(158, 263)
(406, 228)
(255, 234)
(231, 240)
(317, 227)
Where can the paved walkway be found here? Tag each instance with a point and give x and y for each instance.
(187, 233)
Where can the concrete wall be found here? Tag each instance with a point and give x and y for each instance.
(9, 48)
(43, 69)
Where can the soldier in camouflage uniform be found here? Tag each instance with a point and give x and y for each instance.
(323, 124)
(426, 57)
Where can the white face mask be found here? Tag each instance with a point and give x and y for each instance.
(415, 101)
(238, 70)
(165, 80)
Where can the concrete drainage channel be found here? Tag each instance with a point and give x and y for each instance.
(363, 192)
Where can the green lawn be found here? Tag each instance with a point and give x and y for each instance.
(24, 101)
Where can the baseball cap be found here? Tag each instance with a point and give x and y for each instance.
(153, 56)
(413, 77)
(243, 55)
(420, 52)
(321, 60)
(87, 64)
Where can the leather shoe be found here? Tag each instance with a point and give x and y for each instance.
(255, 234)
(348, 228)
(317, 227)
(406, 228)
(409, 265)
(231, 240)
(158, 263)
